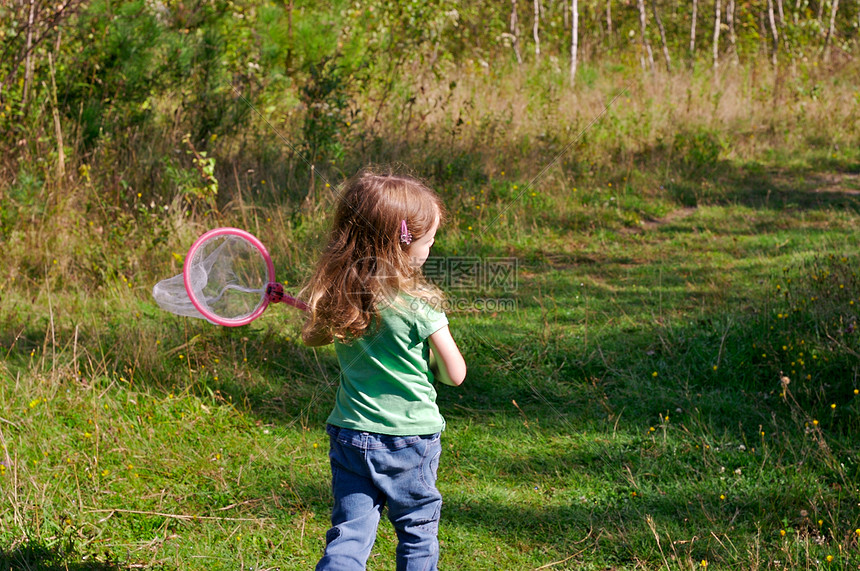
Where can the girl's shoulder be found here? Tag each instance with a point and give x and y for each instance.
(415, 306)
(414, 312)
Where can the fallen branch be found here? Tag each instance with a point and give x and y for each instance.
(182, 517)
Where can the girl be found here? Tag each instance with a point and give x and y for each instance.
(368, 297)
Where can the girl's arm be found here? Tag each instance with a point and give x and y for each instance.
(446, 357)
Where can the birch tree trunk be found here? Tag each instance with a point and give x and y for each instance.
(515, 33)
(28, 61)
(662, 35)
(289, 55)
(609, 16)
(574, 38)
(646, 45)
(730, 21)
(781, 13)
(717, 22)
(58, 130)
(774, 33)
(831, 30)
(536, 28)
(693, 31)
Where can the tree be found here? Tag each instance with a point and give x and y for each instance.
(646, 45)
(717, 22)
(536, 28)
(515, 32)
(288, 57)
(774, 33)
(609, 17)
(42, 24)
(781, 24)
(574, 37)
(28, 57)
(662, 35)
(693, 30)
(834, 6)
(730, 22)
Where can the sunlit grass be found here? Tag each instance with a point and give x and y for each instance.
(677, 386)
(633, 396)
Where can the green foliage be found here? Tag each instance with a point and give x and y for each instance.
(117, 50)
(628, 385)
(698, 151)
(652, 385)
(22, 199)
(198, 183)
(813, 337)
(327, 103)
(35, 555)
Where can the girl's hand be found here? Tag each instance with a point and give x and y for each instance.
(446, 357)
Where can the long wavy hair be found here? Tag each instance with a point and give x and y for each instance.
(366, 265)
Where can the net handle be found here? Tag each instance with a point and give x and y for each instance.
(186, 275)
(275, 294)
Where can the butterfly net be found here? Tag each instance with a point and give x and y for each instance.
(227, 277)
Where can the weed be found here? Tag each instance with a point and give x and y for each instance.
(673, 385)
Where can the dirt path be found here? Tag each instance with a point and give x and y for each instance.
(842, 183)
(652, 224)
(847, 184)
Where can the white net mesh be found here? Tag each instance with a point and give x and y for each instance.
(170, 295)
(227, 276)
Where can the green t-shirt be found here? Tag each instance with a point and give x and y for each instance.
(386, 385)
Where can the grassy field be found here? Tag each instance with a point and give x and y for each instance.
(674, 388)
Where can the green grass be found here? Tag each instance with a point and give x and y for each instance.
(627, 415)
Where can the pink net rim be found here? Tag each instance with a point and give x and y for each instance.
(186, 272)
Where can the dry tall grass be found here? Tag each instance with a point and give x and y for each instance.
(115, 214)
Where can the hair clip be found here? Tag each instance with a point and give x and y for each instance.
(405, 235)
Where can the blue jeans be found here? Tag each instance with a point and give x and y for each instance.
(369, 470)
